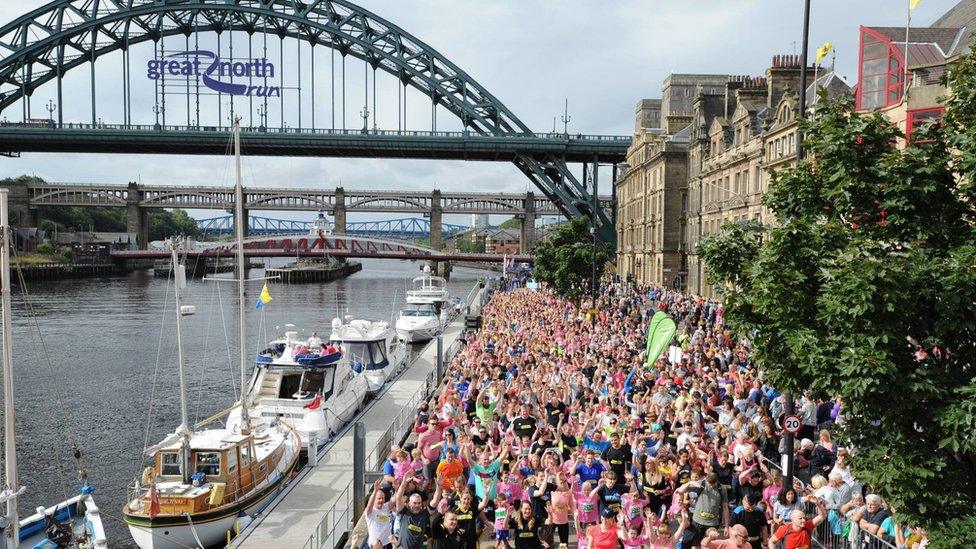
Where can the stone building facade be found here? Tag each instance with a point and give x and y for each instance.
(650, 198)
(733, 133)
(709, 165)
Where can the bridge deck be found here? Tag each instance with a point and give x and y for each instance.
(107, 138)
(364, 252)
(294, 516)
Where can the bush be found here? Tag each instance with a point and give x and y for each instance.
(67, 256)
(45, 249)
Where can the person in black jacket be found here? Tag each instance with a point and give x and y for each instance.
(445, 533)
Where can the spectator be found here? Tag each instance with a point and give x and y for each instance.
(797, 534)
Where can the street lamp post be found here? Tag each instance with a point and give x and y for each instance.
(365, 116)
(790, 409)
(51, 107)
(566, 118)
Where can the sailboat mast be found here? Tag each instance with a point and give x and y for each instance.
(239, 223)
(179, 275)
(10, 416)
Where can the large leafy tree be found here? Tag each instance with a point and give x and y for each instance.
(565, 259)
(865, 290)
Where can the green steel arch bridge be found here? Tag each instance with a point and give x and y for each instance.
(190, 77)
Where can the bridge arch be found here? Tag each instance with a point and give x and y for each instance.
(478, 201)
(176, 199)
(413, 204)
(337, 24)
(34, 48)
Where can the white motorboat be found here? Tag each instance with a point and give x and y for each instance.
(200, 481)
(311, 388)
(75, 522)
(419, 320)
(428, 286)
(371, 347)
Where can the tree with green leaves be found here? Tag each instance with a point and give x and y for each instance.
(865, 290)
(564, 260)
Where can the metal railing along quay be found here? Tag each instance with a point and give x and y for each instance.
(338, 518)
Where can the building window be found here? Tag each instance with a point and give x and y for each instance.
(918, 118)
(880, 71)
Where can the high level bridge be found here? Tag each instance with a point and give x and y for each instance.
(166, 77)
(138, 199)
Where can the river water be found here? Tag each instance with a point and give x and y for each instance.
(102, 343)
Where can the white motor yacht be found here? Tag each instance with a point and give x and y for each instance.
(419, 320)
(311, 388)
(370, 347)
(428, 286)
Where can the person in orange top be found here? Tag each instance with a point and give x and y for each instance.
(603, 535)
(449, 470)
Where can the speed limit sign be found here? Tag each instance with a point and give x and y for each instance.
(792, 424)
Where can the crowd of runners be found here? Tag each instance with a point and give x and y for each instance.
(540, 439)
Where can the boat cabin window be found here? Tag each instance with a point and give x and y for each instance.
(356, 352)
(419, 309)
(289, 385)
(245, 454)
(208, 463)
(171, 464)
(231, 461)
(308, 382)
(378, 351)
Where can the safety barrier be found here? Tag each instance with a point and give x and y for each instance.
(338, 518)
(838, 532)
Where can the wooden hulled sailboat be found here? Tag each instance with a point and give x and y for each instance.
(201, 481)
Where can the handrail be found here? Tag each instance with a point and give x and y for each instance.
(316, 131)
(325, 533)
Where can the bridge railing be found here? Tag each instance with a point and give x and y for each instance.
(616, 139)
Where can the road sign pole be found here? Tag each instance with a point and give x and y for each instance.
(791, 426)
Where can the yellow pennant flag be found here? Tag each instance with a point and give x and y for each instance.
(912, 4)
(264, 298)
(822, 51)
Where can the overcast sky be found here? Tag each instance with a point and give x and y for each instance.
(603, 56)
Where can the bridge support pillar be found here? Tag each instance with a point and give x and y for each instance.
(339, 211)
(18, 202)
(136, 217)
(527, 238)
(443, 268)
(436, 221)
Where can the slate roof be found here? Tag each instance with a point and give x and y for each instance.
(960, 16)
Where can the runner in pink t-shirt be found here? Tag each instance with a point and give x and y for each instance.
(586, 511)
